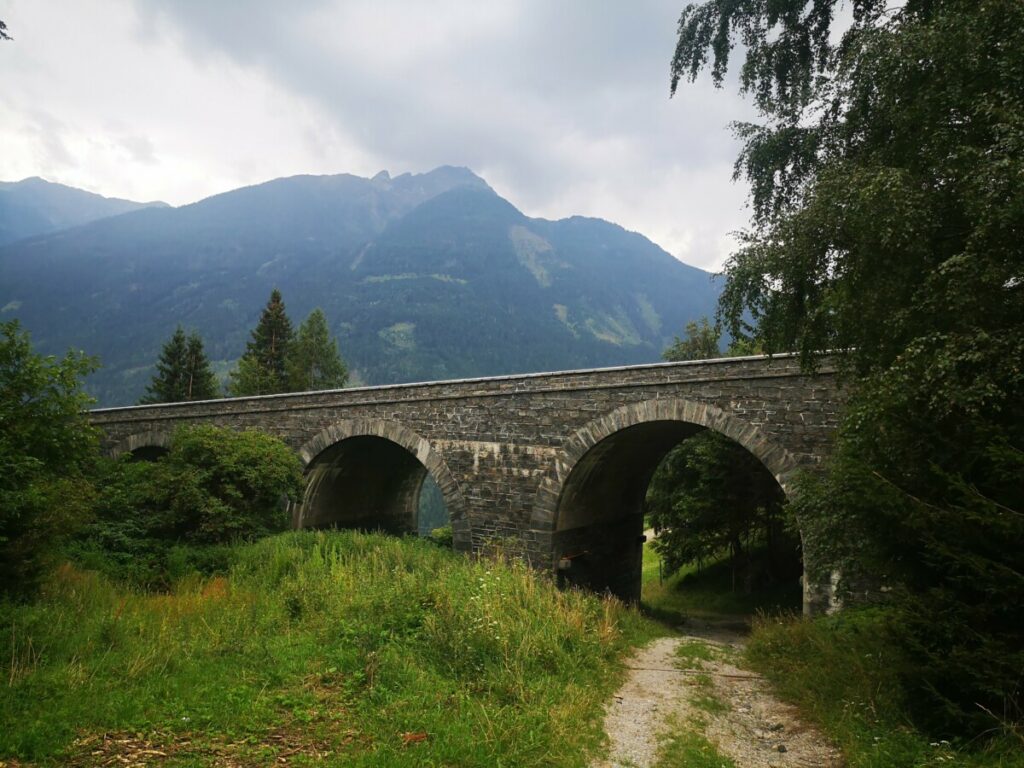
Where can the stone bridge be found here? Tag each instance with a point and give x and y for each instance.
(554, 466)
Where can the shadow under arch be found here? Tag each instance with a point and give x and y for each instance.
(592, 501)
(143, 446)
(367, 473)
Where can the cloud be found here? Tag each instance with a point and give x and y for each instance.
(562, 107)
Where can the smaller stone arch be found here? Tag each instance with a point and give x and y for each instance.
(153, 440)
(416, 445)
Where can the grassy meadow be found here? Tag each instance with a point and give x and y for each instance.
(327, 648)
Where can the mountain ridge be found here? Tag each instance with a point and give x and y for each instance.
(34, 206)
(422, 276)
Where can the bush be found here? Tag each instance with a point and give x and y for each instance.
(159, 520)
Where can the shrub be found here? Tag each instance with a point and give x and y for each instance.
(159, 520)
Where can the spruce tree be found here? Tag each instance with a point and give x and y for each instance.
(314, 362)
(263, 368)
(183, 372)
(201, 383)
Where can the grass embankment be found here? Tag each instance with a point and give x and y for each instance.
(708, 594)
(335, 648)
(841, 672)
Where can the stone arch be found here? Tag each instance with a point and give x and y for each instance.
(591, 502)
(414, 444)
(156, 440)
(776, 459)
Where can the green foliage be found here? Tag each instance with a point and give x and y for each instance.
(326, 647)
(263, 368)
(229, 484)
(928, 474)
(847, 674)
(707, 591)
(887, 189)
(314, 362)
(711, 496)
(442, 536)
(683, 746)
(46, 449)
(183, 372)
(157, 520)
(701, 343)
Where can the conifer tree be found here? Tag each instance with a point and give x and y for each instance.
(183, 372)
(201, 383)
(263, 368)
(314, 362)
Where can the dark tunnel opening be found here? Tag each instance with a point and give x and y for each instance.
(371, 483)
(599, 537)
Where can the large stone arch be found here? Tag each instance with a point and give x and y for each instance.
(416, 445)
(153, 439)
(777, 460)
(591, 502)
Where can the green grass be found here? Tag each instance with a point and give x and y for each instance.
(352, 649)
(708, 594)
(842, 673)
(692, 652)
(683, 746)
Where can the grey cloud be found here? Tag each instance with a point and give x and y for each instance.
(562, 106)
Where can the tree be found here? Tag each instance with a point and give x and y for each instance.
(46, 449)
(183, 372)
(229, 484)
(701, 343)
(313, 361)
(709, 495)
(3, 32)
(263, 368)
(886, 181)
(213, 486)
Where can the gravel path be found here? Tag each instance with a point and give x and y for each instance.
(752, 727)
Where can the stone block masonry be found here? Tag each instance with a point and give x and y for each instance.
(554, 465)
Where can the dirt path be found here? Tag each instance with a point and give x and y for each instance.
(693, 680)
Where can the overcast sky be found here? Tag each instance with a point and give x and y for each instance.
(563, 107)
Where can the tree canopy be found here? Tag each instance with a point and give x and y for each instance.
(46, 448)
(183, 372)
(711, 497)
(314, 361)
(887, 183)
(701, 343)
(263, 368)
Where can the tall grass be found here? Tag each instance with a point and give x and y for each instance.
(359, 649)
(843, 672)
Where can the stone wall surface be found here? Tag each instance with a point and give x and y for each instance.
(502, 448)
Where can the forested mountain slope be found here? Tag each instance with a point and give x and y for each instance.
(422, 276)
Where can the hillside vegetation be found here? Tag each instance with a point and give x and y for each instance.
(340, 648)
(422, 277)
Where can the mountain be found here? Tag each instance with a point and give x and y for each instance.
(422, 277)
(36, 207)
